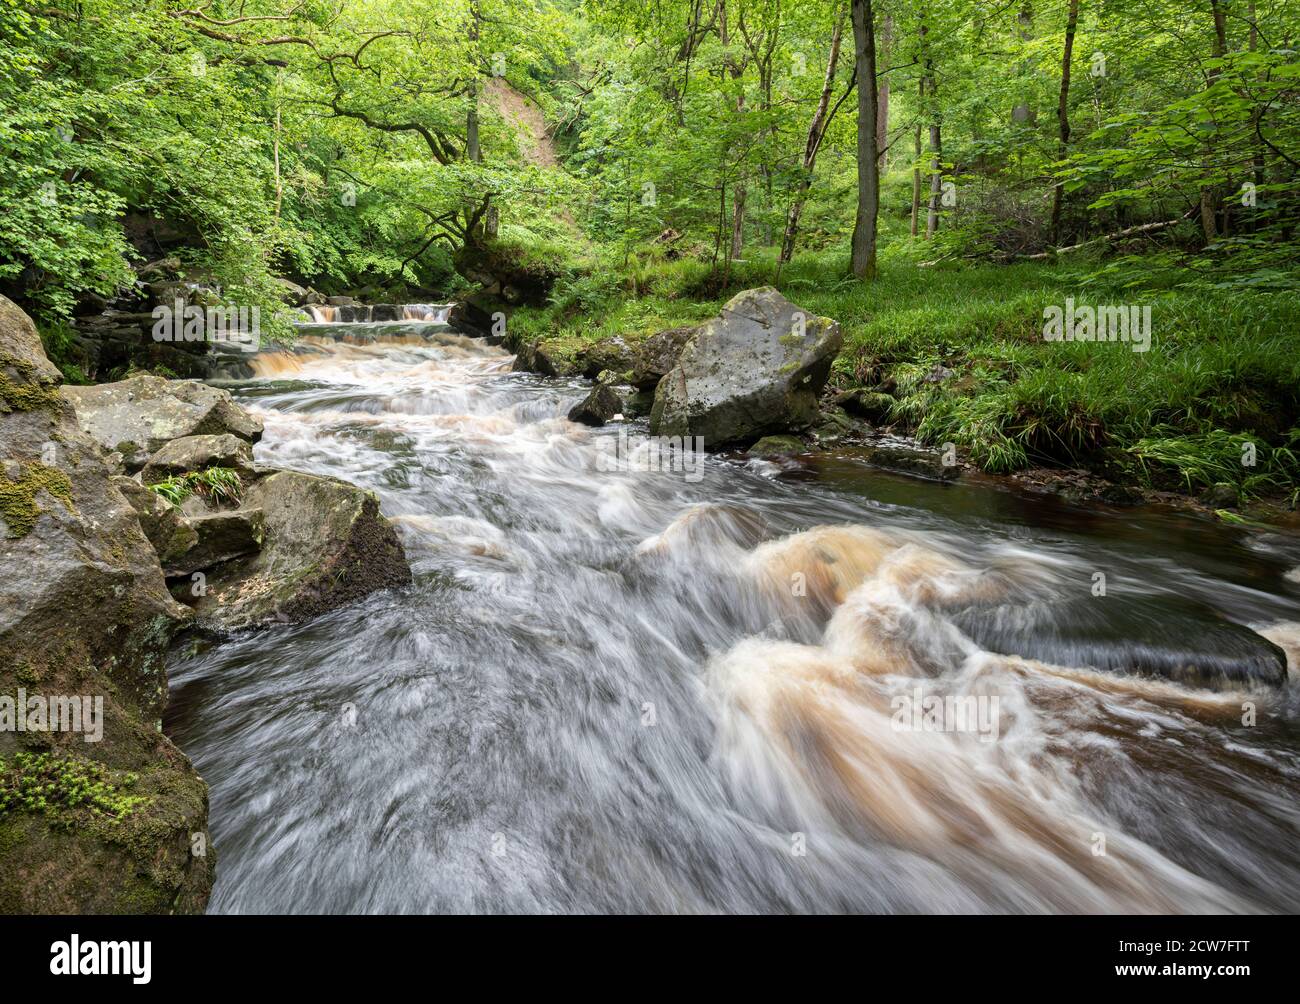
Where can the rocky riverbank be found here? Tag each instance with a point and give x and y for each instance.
(629, 368)
(134, 512)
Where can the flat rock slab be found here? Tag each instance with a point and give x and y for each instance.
(325, 545)
(139, 416)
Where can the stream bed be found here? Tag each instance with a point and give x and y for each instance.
(620, 684)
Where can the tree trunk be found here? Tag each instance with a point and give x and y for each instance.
(916, 178)
(1209, 199)
(1257, 162)
(936, 180)
(279, 183)
(816, 130)
(1063, 114)
(1023, 113)
(738, 198)
(930, 86)
(864, 226)
(882, 102)
(472, 151)
(737, 69)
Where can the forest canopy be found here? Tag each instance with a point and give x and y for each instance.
(368, 143)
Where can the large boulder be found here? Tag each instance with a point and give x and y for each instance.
(84, 611)
(138, 416)
(325, 544)
(755, 370)
(609, 354)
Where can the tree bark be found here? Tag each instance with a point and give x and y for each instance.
(930, 86)
(882, 101)
(738, 196)
(473, 153)
(1209, 198)
(936, 179)
(863, 259)
(279, 184)
(1063, 114)
(1023, 113)
(816, 129)
(916, 177)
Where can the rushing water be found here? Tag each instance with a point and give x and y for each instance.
(676, 690)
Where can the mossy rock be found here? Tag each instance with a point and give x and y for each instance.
(84, 610)
(777, 446)
(324, 544)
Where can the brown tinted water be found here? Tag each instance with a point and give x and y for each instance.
(668, 690)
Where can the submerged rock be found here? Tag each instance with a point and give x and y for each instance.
(1165, 636)
(755, 370)
(139, 416)
(914, 461)
(777, 446)
(84, 611)
(325, 544)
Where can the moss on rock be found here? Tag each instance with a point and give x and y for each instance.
(18, 506)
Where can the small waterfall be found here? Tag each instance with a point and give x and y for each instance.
(435, 312)
(361, 313)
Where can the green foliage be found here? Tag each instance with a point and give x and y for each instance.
(334, 145)
(55, 786)
(221, 484)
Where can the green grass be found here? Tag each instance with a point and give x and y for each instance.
(1223, 369)
(221, 484)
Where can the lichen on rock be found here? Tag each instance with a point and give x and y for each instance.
(19, 505)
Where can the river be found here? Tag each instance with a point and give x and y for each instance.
(712, 689)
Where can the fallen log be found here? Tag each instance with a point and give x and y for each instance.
(1144, 228)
